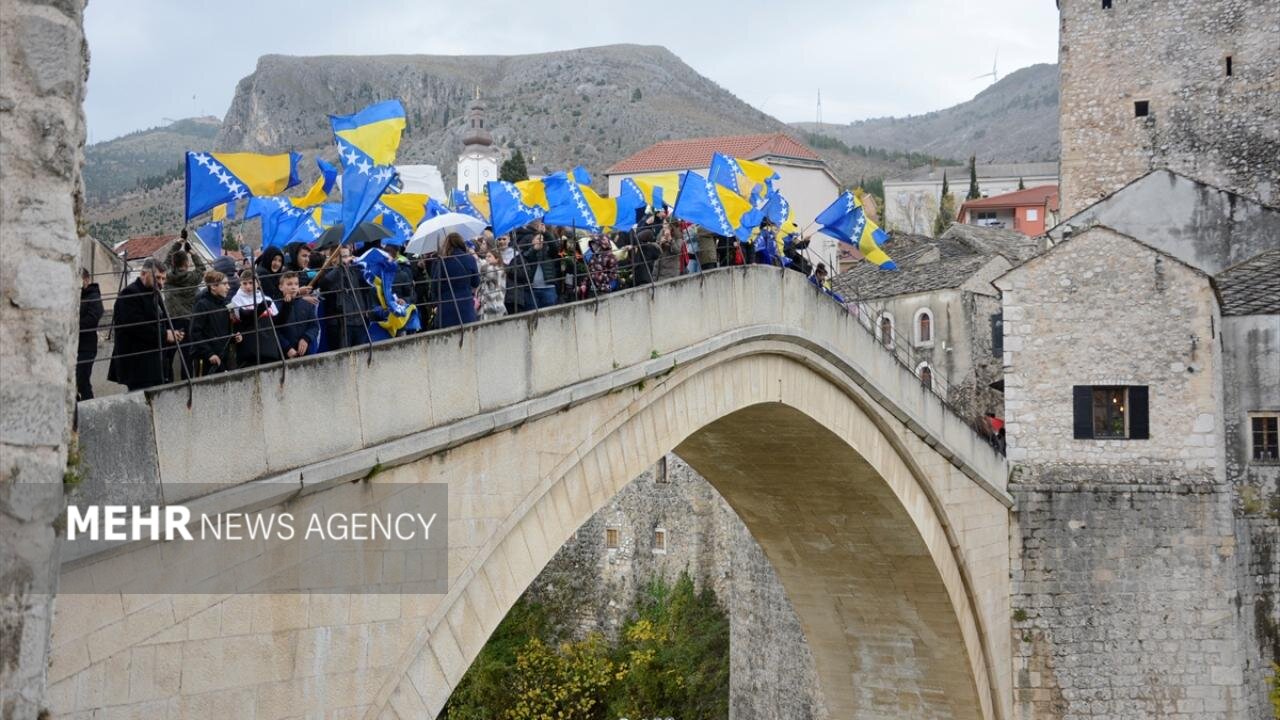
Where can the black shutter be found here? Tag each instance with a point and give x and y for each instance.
(997, 335)
(1139, 418)
(1082, 403)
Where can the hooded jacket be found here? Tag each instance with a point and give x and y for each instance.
(270, 281)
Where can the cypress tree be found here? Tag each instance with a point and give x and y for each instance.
(514, 169)
(974, 193)
(1021, 185)
(946, 208)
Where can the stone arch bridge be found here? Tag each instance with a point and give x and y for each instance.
(886, 517)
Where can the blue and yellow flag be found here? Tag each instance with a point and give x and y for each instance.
(367, 143)
(639, 194)
(371, 135)
(715, 207)
(401, 213)
(280, 219)
(319, 190)
(211, 235)
(393, 315)
(577, 205)
(846, 221)
(224, 212)
(752, 180)
(217, 178)
(466, 203)
(515, 204)
(434, 208)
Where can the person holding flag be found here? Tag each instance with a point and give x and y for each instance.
(846, 221)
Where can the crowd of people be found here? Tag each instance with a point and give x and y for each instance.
(184, 318)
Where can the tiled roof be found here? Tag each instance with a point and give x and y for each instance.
(1013, 245)
(697, 152)
(924, 264)
(958, 175)
(143, 246)
(1252, 287)
(1034, 197)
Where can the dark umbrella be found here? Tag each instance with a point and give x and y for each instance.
(364, 233)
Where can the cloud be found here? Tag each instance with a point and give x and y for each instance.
(150, 57)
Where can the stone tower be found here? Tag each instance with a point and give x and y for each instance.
(478, 163)
(1187, 85)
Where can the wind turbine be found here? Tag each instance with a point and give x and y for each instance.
(995, 77)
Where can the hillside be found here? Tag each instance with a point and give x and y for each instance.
(590, 106)
(144, 158)
(1014, 120)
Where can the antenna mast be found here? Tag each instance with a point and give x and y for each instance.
(819, 107)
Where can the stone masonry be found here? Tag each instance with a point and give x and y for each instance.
(1125, 589)
(43, 64)
(772, 675)
(1223, 129)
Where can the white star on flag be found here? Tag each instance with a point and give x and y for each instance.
(364, 167)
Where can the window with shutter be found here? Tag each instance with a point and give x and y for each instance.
(1113, 412)
(1082, 404)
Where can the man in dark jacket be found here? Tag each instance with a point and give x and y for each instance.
(142, 331)
(539, 270)
(643, 258)
(296, 324)
(87, 351)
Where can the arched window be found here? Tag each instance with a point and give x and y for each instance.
(925, 373)
(922, 328)
(884, 330)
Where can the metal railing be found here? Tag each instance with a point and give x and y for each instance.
(346, 305)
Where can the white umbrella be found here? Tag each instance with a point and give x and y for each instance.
(429, 234)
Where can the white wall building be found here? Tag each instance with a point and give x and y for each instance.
(911, 201)
(478, 163)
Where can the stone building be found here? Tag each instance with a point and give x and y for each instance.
(1187, 85)
(1140, 369)
(940, 310)
(670, 520)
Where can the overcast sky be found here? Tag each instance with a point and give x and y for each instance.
(870, 58)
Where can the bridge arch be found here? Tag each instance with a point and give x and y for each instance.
(850, 521)
(889, 531)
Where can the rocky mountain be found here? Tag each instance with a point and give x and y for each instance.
(589, 106)
(144, 159)
(1013, 120)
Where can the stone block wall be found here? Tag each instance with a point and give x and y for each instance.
(1103, 309)
(772, 674)
(1172, 55)
(1124, 597)
(43, 65)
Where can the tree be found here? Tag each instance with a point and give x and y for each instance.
(514, 169)
(974, 192)
(636, 95)
(1021, 185)
(946, 208)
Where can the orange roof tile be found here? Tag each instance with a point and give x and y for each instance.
(143, 246)
(1033, 197)
(697, 152)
